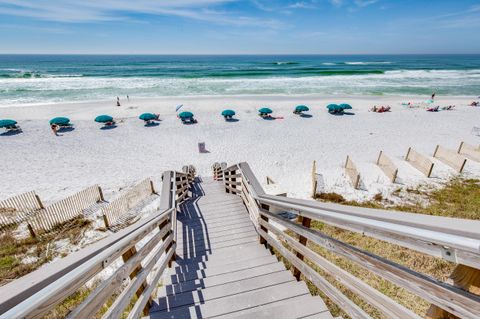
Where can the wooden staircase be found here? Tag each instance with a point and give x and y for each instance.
(222, 271)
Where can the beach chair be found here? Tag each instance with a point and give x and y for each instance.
(13, 128)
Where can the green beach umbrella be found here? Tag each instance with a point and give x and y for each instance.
(265, 110)
(302, 108)
(345, 106)
(7, 123)
(104, 119)
(60, 121)
(185, 115)
(147, 117)
(228, 113)
(332, 107)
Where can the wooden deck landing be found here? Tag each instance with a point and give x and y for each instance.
(222, 271)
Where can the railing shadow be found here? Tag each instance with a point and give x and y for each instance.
(192, 253)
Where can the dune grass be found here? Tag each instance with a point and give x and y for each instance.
(19, 257)
(459, 198)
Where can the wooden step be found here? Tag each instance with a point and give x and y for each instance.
(304, 306)
(208, 293)
(236, 303)
(232, 271)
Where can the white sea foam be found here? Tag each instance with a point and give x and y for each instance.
(21, 91)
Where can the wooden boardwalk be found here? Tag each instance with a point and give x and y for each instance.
(222, 271)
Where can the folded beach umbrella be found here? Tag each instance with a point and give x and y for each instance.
(7, 123)
(228, 113)
(60, 121)
(345, 106)
(265, 110)
(302, 108)
(147, 117)
(185, 115)
(104, 119)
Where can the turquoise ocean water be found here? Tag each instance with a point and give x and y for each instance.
(33, 79)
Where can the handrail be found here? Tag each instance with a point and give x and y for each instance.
(37, 293)
(452, 239)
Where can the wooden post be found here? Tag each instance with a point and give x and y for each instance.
(226, 180)
(464, 277)
(100, 191)
(306, 223)
(39, 201)
(263, 241)
(126, 256)
(314, 179)
(167, 249)
(32, 232)
(105, 220)
(152, 187)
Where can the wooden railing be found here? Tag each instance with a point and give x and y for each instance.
(454, 240)
(146, 247)
(218, 171)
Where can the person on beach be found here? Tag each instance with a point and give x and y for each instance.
(118, 101)
(128, 98)
(54, 128)
(433, 96)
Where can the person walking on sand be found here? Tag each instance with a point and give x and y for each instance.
(128, 98)
(433, 96)
(118, 101)
(54, 128)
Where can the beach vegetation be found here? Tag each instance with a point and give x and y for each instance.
(20, 256)
(460, 198)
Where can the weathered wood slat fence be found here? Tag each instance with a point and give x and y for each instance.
(387, 166)
(469, 151)
(352, 172)
(450, 158)
(113, 211)
(146, 247)
(454, 240)
(17, 209)
(65, 209)
(419, 161)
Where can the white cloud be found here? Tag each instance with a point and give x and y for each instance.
(365, 3)
(73, 11)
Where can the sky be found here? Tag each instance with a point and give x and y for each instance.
(239, 26)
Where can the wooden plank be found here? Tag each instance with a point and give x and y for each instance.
(352, 172)
(469, 151)
(450, 158)
(383, 303)
(434, 291)
(220, 291)
(238, 302)
(327, 288)
(419, 161)
(387, 166)
(296, 307)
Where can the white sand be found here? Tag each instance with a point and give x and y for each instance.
(282, 149)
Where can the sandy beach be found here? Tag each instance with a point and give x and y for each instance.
(283, 149)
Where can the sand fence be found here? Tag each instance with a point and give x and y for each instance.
(66, 209)
(17, 209)
(114, 211)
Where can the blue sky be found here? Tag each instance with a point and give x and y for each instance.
(239, 27)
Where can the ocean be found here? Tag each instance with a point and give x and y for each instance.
(39, 79)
